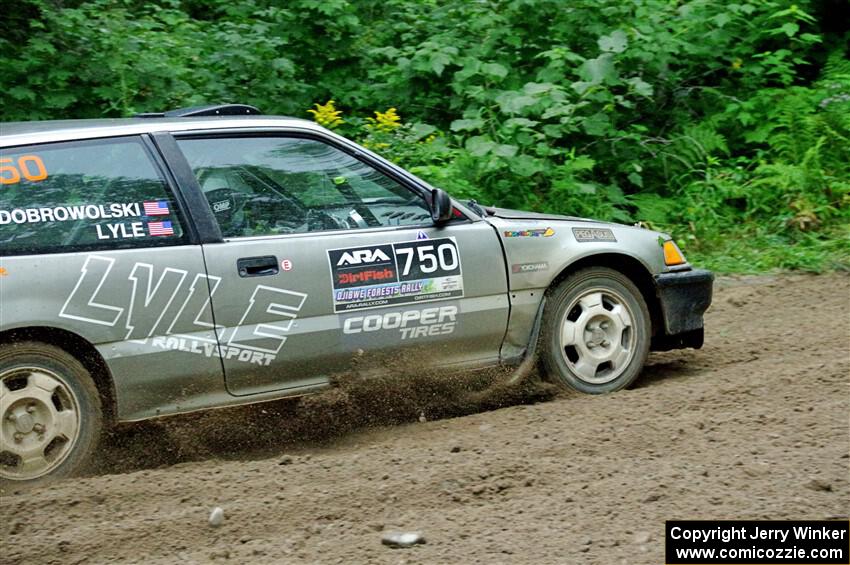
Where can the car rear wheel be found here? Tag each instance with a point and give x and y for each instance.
(50, 414)
(596, 331)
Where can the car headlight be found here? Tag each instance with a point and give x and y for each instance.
(672, 254)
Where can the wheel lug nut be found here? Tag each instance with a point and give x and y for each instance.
(39, 428)
(19, 437)
(31, 408)
(606, 343)
(590, 345)
(11, 417)
(604, 325)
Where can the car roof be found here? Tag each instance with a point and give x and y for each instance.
(24, 133)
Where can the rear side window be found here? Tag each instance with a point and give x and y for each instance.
(101, 194)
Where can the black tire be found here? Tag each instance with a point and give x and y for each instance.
(561, 363)
(20, 364)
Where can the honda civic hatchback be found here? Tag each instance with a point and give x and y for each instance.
(214, 256)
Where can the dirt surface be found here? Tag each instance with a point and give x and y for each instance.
(753, 426)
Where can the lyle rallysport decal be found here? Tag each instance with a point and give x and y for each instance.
(395, 273)
(180, 299)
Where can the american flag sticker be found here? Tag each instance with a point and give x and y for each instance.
(160, 228)
(156, 208)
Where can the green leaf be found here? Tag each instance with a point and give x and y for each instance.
(420, 130)
(641, 87)
(598, 124)
(438, 62)
(494, 70)
(598, 70)
(635, 179)
(580, 163)
(525, 165)
(467, 124)
(520, 123)
(552, 130)
(479, 145)
(790, 29)
(537, 87)
(21, 93)
(505, 150)
(722, 19)
(614, 43)
(512, 102)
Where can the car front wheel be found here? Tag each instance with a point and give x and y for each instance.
(50, 414)
(596, 331)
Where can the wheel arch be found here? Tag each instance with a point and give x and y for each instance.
(81, 349)
(628, 266)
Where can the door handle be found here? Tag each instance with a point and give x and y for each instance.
(257, 266)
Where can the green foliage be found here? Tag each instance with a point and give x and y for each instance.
(719, 122)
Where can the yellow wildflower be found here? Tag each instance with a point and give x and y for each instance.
(385, 121)
(326, 115)
(736, 64)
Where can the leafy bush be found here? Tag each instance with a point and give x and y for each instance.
(727, 124)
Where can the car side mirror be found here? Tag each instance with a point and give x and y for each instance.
(441, 206)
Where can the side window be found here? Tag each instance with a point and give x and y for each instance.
(82, 195)
(267, 186)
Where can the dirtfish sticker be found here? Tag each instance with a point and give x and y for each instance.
(593, 234)
(547, 232)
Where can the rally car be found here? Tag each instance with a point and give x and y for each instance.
(213, 256)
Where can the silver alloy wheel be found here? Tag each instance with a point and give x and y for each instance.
(597, 336)
(40, 422)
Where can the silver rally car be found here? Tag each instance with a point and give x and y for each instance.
(214, 256)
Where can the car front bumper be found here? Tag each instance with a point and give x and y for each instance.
(683, 296)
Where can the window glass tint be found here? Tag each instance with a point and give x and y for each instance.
(92, 194)
(266, 186)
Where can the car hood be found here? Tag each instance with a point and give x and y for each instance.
(509, 214)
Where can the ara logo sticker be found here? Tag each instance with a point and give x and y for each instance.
(421, 235)
(547, 232)
(360, 256)
(168, 308)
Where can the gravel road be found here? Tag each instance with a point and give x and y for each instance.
(753, 426)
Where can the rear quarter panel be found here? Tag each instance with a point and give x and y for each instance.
(120, 302)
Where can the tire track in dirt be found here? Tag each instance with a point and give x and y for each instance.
(755, 425)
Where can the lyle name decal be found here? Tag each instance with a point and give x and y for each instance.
(162, 306)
